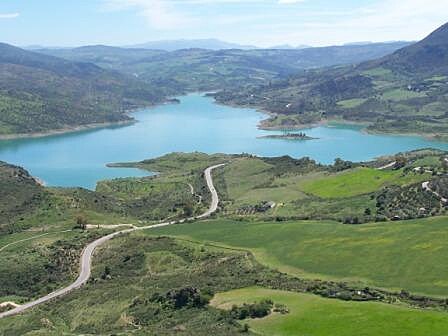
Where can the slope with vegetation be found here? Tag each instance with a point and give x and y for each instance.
(405, 255)
(406, 92)
(196, 69)
(310, 315)
(40, 93)
(145, 282)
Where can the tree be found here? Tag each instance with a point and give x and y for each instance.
(106, 273)
(245, 328)
(341, 165)
(444, 161)
(400, 162)
(188, 209)
(81, 222)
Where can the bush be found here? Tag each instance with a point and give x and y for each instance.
(81, 222)
(255, 310)
(280, 308)
(183, 297)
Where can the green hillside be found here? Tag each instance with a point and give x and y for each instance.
(145, 283)
(309, 315)
(401, 255)
(205, 70)
(406, 92)
(40, 93)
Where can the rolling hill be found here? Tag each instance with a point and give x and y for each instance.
(205, 70)
(405, 92)
(41, 93)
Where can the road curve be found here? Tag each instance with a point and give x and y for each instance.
(87, 254)
(425, 186)
(389, 165)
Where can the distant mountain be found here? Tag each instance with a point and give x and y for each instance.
(202, 69)
(359, 43)
(428, 55)
(172, 45)
(40, 93)
(404, 92)
(288, 46)
(56, 89)
(104, 56)
(34, 47)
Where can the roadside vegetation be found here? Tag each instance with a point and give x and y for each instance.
(164, 286)
(284, 188)
(165, 278)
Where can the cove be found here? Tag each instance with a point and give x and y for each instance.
(196, 124)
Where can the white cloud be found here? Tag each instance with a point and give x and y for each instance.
(383, 20)
(269, 22)
(9, 15)
(160, 14)
(397, 19)
(173, 14)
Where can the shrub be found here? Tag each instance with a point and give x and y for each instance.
(254, 310)
(81, 222)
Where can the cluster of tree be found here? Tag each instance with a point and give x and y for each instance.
(341, 165)
(81, 222)
(254, 310)
(407, 202)
(182, 297)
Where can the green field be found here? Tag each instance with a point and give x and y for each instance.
(357, 182)
(406, 255)
(132, 273)
(401, 94)
(313, 316)
(351, 103)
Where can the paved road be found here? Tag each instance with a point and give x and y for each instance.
(389, 165)
(87, 254)
(425, 186)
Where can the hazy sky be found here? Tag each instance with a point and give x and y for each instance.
(258, 22)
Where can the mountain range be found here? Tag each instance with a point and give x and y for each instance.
(205, 70)
(172, 45)
(404, 92)
(57, 89)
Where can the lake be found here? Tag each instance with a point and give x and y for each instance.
(196, 124)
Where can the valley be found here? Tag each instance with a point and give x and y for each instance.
(195, 124)
(247, 244)
(200, 187)
(402, 93)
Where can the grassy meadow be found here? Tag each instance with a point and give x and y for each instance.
(396, 255)
(357, 182)
(310, 315)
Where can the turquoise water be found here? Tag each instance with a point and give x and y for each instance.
(197, 124)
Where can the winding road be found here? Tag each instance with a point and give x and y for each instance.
(87, 254)
(426, 187)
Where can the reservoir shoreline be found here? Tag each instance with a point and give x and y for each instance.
(79, 159)
(262, 124)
